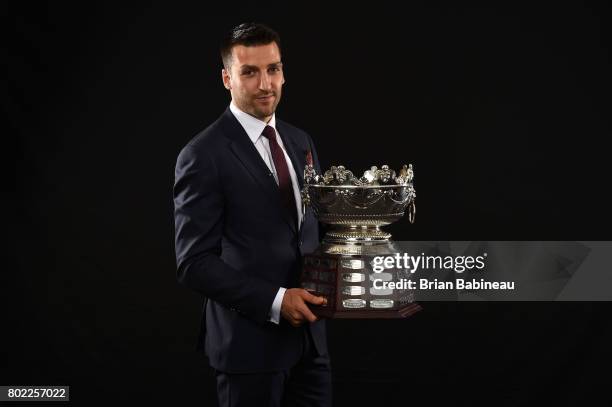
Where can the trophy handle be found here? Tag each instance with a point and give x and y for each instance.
(411, 211)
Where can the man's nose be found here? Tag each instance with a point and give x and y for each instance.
(264, 82)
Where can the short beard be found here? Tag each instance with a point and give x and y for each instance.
(260, 114)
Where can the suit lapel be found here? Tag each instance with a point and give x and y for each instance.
(243, 148)
(245, 151)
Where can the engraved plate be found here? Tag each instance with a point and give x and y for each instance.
(356, 250)
(354, 303)
(381, 303)
(353, 277)
(381, 291)
(352, 264)
(381, 276)
(353, 290)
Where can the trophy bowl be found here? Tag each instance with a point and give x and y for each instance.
(355, 208)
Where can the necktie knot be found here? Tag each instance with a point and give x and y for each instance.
(269, 133)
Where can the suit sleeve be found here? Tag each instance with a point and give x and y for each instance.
(198, 218)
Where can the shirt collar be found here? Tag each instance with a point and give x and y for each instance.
(252, 125)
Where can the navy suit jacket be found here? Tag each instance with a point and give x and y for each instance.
(236, 245)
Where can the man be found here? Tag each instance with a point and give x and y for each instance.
(240, 237)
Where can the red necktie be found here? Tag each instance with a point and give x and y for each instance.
(282, 172)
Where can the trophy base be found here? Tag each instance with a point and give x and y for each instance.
(344, 274)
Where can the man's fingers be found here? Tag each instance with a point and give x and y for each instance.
(313, 299)
(296, 319)
(307, 314)
(296, 310)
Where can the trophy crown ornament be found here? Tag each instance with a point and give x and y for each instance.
(358, 206)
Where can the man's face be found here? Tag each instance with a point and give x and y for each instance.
(255, 79)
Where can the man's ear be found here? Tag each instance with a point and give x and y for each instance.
(226, 79)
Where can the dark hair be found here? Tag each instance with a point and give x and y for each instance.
(247, 34)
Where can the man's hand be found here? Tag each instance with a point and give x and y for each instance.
(294, 308)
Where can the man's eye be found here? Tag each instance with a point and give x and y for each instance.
(247, 73)
(275, 69)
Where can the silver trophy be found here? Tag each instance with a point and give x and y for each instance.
(341, 268)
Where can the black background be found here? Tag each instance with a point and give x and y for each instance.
(503, 111)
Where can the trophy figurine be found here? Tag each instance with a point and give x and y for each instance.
(341, 268)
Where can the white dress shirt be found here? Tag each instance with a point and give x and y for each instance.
(254, 127)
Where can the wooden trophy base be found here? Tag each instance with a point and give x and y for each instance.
(344, 275)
